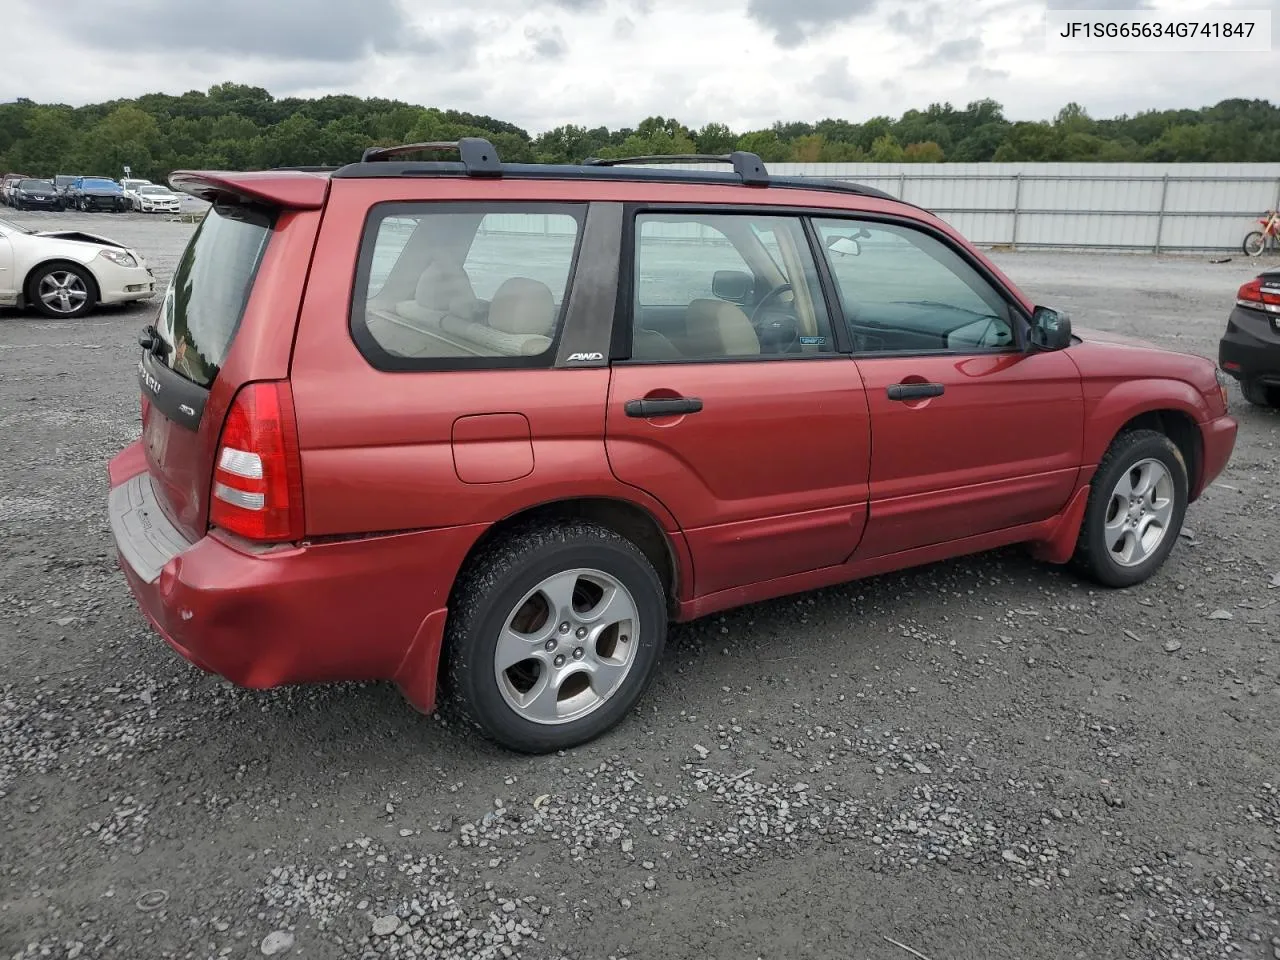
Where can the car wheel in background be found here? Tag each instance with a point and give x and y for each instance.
(1137, 500)
(62, 290)
(1260, 394)
(554, 633)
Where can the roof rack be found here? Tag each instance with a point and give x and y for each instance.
(746, 165)
(308, 168)
(479, 158)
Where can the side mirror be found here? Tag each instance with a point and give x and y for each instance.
(1050, 329)
(845, 246)
(733, 285)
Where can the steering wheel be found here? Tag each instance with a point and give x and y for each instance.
(779, 335)
(775, 292)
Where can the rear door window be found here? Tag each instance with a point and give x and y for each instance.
(206, 298)
(443, 285)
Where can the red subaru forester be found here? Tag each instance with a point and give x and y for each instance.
(496, 425)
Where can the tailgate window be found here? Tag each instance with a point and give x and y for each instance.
(210, 288)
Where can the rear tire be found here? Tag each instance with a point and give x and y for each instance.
(1137, 500)
(554, 633)
(1254, 244)
(1260, 394)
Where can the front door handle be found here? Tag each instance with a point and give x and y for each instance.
(662, 407)
(914, 391)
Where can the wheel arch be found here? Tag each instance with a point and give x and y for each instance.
(1183, 430)
(626, 518)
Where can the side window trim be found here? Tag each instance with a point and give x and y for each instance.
(621, 344)
(1017, 314)
(383, 360)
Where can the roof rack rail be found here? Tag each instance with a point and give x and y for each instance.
(746, 165)
(307, 167)
(478, 155)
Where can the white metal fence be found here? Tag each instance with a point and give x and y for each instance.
(1116, 206)
(1105, 206)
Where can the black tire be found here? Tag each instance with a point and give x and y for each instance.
(1254, 244)
(486, 597)
(1260, 394)
(1093, 558)
(86, 278)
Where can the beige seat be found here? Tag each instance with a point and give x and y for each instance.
(522, 321)
(443, 290)
(649, 345)
(714, 328)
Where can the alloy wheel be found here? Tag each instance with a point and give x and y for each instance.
(62, 291)
(1140, 512)
(567, 647)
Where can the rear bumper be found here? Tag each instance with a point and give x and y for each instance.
(1250, 348)
(1218, 438)
(367, 609)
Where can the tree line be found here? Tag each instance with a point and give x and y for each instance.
(234, 126)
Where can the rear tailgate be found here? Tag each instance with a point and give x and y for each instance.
(227, 319)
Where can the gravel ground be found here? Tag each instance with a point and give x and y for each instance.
(984, 758)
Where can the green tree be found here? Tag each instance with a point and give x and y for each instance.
(926, 152)
(716, 138)
(885, 149)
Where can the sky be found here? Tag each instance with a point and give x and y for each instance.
(543, 63)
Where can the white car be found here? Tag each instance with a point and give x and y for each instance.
(153, 198)
(66, 273)
(130, 187)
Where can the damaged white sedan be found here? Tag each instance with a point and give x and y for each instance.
(66, 273)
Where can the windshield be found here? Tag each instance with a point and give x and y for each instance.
(210, 288)
(99, 182)
(35, 185)
(10, 227)
(152, 190)
(63, 181)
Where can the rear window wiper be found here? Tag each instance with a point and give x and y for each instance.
(151, 341)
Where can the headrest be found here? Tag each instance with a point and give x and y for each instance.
(445, 286)
(522, 305)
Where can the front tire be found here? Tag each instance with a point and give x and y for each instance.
(1254, 244)
(554, 633)
(1137, 500)
(63, 291)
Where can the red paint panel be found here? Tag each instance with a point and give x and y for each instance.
(771, 474)
(1000, 447)
(734, 553)
(492, 448)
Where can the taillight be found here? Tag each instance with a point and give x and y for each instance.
(257, 476)
(1259, 296)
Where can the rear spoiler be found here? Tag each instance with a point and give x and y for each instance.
(293, 189)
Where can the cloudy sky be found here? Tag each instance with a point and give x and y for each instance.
(541, 63)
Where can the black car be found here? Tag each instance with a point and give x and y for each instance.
(36, 195)
(1250, 349)
(96, 193)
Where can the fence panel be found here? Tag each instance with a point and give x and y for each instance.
(1121, 206)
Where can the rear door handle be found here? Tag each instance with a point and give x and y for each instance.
(914, 391)
(662, 407)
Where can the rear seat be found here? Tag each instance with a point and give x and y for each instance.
(444, 289)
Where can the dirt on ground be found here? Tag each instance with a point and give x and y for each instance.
(981, 759)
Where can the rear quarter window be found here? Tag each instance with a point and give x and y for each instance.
(443, 285)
